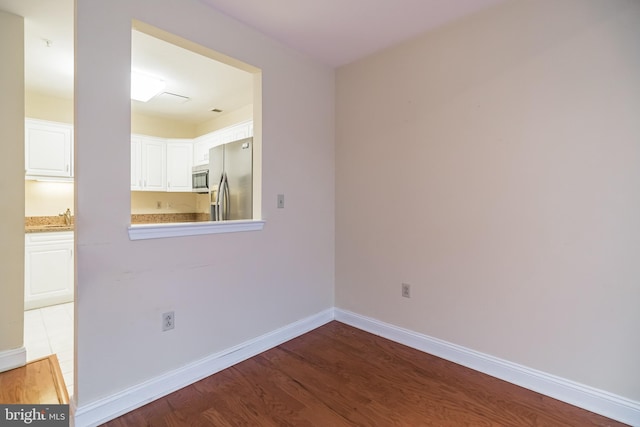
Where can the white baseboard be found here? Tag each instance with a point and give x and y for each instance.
(589, 398)
(103, 410)
(14, 358)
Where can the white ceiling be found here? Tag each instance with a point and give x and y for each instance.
(333, 32)
(337, 32)
(206, 83)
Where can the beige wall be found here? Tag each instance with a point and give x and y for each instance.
(493, 165)
(227, 119)
(46, 107)
(261, 281)
(52, 198)
(11, 182)
(161, 127)
(47, 198)
(146, 202)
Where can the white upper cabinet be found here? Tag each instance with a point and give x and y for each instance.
(136, 164)
(154, 169)
(201, 148)
(148, 163)
(48, 149)
(204, 143)
(236, 132)
(179, 163)
(158, 164)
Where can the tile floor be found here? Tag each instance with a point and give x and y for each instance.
(49, 330)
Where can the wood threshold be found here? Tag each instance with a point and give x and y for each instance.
(38, 382)
(58, 379)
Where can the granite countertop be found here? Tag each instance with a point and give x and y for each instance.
(47, 228)
(168, 218)
(46, 224)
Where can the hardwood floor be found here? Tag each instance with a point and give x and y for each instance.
(337, 375)
(38, 382)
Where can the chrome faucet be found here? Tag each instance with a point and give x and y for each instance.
(67, 216)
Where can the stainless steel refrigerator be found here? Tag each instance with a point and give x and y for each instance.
(231, 180)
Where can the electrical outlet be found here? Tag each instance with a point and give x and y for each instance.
(168, 321)
(406, 290)
(158, 205)
(280, 201)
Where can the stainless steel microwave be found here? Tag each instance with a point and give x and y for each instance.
(200, 179)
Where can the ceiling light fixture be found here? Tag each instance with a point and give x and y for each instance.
(144, 87)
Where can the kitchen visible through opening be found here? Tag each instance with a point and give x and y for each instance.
(195, 139)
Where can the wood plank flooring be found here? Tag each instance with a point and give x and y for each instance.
(337, 376)
(38, 382)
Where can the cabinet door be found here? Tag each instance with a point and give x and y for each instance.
(136, 164)
(48, 149)
(202, 146)
(48, 274)
(179, 162)
(154, 165)
(240, 131)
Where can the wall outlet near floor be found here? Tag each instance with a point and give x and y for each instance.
(158, 204)
(280, 201)
(406, 290)
(168, 321)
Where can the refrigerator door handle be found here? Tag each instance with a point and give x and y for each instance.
(216, 208)
(227, 204)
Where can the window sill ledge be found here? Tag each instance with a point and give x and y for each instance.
(161, 231)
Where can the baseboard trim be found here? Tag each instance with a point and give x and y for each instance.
(589, 398)
(14, 358)
(580, 395)
(103, 410)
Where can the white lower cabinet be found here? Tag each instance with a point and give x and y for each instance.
(48, 269)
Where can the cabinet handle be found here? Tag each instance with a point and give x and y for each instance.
(67, 168)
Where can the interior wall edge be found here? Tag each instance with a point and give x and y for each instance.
(12, 181)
